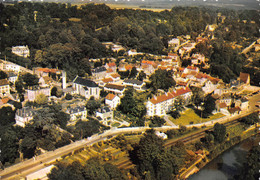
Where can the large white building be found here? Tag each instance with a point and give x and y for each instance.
(22, 51)
(76, 113)
(160, 105)
(23, 116)
(112, 100)
(86, 87)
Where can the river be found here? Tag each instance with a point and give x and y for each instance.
(226, 165)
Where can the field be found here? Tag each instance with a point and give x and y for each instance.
(189, 116)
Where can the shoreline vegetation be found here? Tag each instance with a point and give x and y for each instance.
(220, 149)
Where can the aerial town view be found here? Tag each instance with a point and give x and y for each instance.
(129, 89)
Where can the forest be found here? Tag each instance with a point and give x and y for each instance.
(65, 36)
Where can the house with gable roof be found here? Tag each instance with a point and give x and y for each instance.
(112, 100)
(86, 87)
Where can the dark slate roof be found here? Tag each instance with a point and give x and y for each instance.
(76, 109)
(133, 81)
(104, 109)
(84, 82)
(99, 69)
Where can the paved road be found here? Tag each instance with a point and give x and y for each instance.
(24, 168)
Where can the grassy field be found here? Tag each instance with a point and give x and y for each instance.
(189, 116)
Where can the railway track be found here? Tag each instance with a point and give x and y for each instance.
(198, 135)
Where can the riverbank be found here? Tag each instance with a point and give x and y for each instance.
(218, 150)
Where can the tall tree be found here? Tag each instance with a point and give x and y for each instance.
(162, 79)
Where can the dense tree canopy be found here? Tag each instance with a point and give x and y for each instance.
(162, 79)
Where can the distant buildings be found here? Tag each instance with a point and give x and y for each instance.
(136, 84)
(22, 51)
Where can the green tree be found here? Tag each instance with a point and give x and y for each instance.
(6, 116)
(3, 75)
(251, 119)
(30, 79)
(219, 132)
(41, 99)
(156, 121)
(92, 105)
(162, 79)
(133, 73)
(141, 76)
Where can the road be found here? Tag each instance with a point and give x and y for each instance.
(31, 165)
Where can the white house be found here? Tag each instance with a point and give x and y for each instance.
(22, 51)
(105, 115)
(114, 88)
(160, 105)
(12, 77)
(24, 116)
(138, 85)
(99, 72)
(86, 87)
(4, 87)
(76, 113)
(112, 100)
(175, 42)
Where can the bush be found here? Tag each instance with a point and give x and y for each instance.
(68, 96)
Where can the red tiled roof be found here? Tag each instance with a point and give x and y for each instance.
(172, 54)
(5, 100)
(106, 80)
(111, 64)
(115, 75)
(148, 62)
(222, 105)
(109, 70)
(233, 110)
(192, 67)
(128, 67)
(170, 95)
(110, 96)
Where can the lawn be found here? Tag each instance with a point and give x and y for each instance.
(189, 116)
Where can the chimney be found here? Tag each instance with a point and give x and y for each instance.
(64, 85)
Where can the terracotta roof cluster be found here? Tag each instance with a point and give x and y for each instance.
(170, 95)
(172, 54)
(110, 96)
